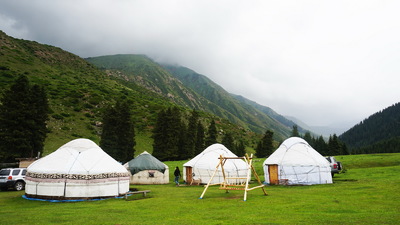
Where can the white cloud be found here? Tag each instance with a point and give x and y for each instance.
(321, 61)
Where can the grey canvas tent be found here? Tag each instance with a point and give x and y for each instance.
(146, 169)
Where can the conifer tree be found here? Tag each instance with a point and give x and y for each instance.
(174, 131)
(167, 135)
(240, 149)
(200, 145)
(307, 137)
(185, 148)
(212, 134)
(191, 135)
(228, 142)
(321, 146)
(265, 146)
(159, 136)
(295, 131)
(118, 134)
(23, 114)
(333, 145)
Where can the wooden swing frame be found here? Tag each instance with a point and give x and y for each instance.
(242, 185)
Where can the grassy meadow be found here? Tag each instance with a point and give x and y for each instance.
(367, 193)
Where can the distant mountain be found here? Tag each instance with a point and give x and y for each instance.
(381, 130)
(325, 131)
(189, 89)
(259, 118)
(77, 91)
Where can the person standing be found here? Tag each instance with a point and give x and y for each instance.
(177, 174)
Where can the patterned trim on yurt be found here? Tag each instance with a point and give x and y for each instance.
(57, 176)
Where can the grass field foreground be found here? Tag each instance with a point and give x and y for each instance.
(367, 193)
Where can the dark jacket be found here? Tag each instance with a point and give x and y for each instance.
(177, 172)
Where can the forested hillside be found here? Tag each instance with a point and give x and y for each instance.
(258, 119)
(378, 133)
(79, 92)
(189, 89)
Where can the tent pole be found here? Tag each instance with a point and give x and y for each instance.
(248, 161)
(222, 162)
(258, 179)
(208, 184)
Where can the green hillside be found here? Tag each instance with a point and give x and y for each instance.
(189, 89)
(77, 90)
(378, 133)
(78, 93)
(148, 74)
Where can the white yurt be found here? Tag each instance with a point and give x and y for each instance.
(295, 162)
(146, 169)
(79, 169)
(202, 167)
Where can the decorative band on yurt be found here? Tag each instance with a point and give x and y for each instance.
(76, 178)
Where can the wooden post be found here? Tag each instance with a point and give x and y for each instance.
(208, 184)
(227, 186)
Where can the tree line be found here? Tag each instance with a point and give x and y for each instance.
(177, 135)
(23, 114)
(24, 111)
(334, 146)
(179, 138)
(379, 133)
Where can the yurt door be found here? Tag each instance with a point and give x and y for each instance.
(189, 173)
(273, 174)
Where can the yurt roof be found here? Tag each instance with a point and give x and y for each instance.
(295, 151)
(209, 158)
(145, 161)
(79, 156)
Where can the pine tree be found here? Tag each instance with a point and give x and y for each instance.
(200, 145)
(185, 148)
(228, 142)
(307, 137)
(321, 146)
(295, 131)
(168, 134)
(23, 115)
(265, 146)
(159, 136)
(191, 135)
(118, 134)
(212, 134)
(174, 131)
(40, 110)
(240, 149)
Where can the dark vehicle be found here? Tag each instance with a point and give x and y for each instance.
(12, 178)
(336, 167)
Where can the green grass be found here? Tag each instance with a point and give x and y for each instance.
(368, 193)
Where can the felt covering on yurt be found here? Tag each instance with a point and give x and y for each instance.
(204, 164)
(298, 164)
(146, 169)
(78, 169)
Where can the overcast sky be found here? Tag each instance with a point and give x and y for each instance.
(323, 62)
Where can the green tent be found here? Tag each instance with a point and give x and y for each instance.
(145, 161)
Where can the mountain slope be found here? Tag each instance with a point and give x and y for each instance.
(77, 91)
(189, 89)
(378, 128)
(243, 109)
(144, 72)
